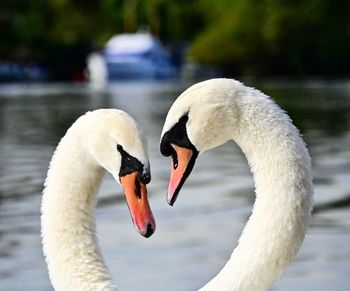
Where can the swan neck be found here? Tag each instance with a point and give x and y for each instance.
(68, 220)
(280, 165)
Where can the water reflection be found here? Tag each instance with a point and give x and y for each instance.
(217, 198)
(343, 202)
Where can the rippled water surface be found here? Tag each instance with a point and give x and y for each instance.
(195, 238)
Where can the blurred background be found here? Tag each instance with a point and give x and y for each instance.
(52, 39)
(61, 58)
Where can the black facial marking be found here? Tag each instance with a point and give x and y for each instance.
(145, 178)
(176, 135)
(129, 164)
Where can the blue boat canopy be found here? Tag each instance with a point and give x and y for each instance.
(138, 55)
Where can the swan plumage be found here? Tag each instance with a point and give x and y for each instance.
(102, 140)
(212, 112)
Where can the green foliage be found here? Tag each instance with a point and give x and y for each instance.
(243, 36)
(59, 33)
(277, 37)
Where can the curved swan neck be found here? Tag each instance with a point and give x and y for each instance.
(281, 167)
(68, 229)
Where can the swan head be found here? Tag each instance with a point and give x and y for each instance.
(117, 144)
(201, 118)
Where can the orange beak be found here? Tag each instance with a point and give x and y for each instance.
(182, 163)
(136, 197)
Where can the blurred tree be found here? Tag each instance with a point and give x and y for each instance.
(243, 36)
(276, 37)
(60, 33)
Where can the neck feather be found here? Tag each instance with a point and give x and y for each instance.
(281, 167)
(68, 220)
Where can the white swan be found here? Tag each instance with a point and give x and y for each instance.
(212, 112)
(105, 139)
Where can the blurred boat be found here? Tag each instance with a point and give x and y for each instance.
(97, 70)
(137, 56)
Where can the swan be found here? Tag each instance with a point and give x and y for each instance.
(212, 112)
(101, 140)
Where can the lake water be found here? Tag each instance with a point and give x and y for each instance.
(195, 237)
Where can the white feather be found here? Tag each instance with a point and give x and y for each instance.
(68, 220)
(220, 110)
